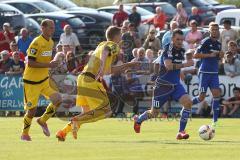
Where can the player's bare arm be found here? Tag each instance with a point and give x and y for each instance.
(34, 64)
(170, 66)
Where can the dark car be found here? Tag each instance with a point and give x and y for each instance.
(218, 7)
(96, 23)
(11, 15)
(33, 6)
(204, 9)
(33, 27)
(145, 14)
(167, 8)
(62, 19)
(68, 5)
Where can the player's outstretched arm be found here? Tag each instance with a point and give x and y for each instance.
(124, 67)
(171, 66)
(205, 55)
(34, 64)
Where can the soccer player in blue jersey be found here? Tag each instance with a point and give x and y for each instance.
(167, 84)
(210, 53)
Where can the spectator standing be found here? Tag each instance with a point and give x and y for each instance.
(130, 40)
(152, 42)
(24, 41)
(159, 20)
(231, 65)
(195, 16)
(227, 35)
(135, 17)
(6, 37)
(193, 37)
(70, 38)
(119, 16)
(181, 16)
(5, 62)
(167, 37)
(14, 48)
(17, 66)
(232, 104)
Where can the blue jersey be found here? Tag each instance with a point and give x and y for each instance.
(209, 65)
(177, 57)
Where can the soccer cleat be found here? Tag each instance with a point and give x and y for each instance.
(61, 136)
(26, 137)
(44, 127)
(75, 127)
(214, 124)
(182, 135)
(136, 126)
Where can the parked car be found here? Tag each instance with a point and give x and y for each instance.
(145, 14)
(232, 14)
(11, 15)
(68, 5)
(217, 7)
(96, 23)
(62, 19)
(167, 8)
(205, 10)
(33, 6)
(33, 27)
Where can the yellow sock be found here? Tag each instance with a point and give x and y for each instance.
(48, 113)
(67, 128)
(27, 123)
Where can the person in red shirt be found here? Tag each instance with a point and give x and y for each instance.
(14, 48)
(159, 20)
(6, 37)
(119, 17)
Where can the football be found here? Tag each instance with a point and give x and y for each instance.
(206, 132)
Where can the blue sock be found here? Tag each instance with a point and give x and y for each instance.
(195, 100)
(142, 117)
(184, 119)
(215, 107)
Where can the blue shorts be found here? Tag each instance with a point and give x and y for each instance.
(162, 95)
(206, 80)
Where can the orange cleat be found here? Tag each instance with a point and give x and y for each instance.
(136, 126)
(182, 135)
(61, 136)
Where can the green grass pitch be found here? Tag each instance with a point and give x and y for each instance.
(114, 139)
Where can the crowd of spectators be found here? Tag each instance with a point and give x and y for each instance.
(13, 48)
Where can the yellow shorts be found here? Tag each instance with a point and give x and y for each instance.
(33, 91)
(91, 93)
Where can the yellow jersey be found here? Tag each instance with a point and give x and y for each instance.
(94, 62)
(41, 51)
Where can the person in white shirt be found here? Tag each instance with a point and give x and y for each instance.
(228, 34)
(70, 38)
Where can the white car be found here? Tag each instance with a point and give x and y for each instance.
(232, 14)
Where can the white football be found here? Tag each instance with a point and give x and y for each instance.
(206, 132)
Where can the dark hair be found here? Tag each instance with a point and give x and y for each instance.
(236, 89)
(112, 31)
(177, 31)
(227, 22)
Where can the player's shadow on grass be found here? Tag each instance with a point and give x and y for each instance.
(185, 142)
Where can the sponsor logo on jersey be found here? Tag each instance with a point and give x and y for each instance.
(47, 53)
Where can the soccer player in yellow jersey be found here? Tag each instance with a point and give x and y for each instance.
(36, 81)
(92, 96)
